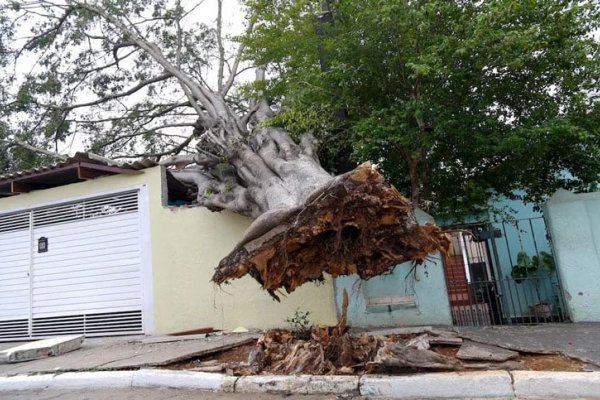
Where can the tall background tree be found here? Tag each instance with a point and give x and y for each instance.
(459, 101)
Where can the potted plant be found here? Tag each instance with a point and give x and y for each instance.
(530, 267)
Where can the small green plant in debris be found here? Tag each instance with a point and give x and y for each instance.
(300, 323)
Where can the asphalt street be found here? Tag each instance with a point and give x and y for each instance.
(145, 394)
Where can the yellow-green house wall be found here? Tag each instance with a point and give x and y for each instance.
(186, 244)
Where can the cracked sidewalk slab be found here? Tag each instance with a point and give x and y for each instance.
(128, 352)
(577, 341)
(484, 352)
(41, 349)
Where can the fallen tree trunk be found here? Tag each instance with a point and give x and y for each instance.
(357, 223)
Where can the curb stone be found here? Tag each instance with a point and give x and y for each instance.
(298, 384)
(487, 384)
(457, 385)
(153, 378)
(564, 385)
(99, 379)
(25, 382)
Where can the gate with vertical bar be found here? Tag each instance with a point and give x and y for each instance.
(503, 273)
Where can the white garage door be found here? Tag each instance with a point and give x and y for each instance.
(72, 268)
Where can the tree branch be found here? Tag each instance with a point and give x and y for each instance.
(38, 150)
(114, 96)
(220, 45)
(51, 31)
(217, 194)
(236, 62)
(214, 107)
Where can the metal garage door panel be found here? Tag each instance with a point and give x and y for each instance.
(15, 246)
(89, 280)
(87, 275)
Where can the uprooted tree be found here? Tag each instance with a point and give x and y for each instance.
(132, 78)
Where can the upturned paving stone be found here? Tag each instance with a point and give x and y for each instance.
(484, 352)
(409, 330)
(445, 340)
(41, 349)
(123, 353)
(420, 342)
(579, 340)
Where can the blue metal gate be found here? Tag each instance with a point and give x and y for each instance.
(503, 273)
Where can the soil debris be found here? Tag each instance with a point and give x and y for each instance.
(324, 350)
(358, 224)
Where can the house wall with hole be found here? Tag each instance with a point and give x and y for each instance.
(188, 243)
(182, 246)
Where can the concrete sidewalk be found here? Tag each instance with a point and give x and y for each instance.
(132, 352)
(123, 362)
(580, 341)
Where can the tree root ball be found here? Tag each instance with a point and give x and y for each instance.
(357, 224)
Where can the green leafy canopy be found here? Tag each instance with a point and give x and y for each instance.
(69, 74)
(459, 101)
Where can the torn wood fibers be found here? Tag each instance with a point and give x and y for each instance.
(358, 224)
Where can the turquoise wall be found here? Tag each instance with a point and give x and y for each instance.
(424, 293)
(574, 224)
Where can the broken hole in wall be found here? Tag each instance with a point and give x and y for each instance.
(175, 193)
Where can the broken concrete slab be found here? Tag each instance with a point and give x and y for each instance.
(579, 341)
(180, 351)
(445, 340)
(395, 356)
(420, 342)
(166, 339)
(410, 330)
(41, 349)
(448, 332)
(114, 353)
(510, 365)
(483, 352)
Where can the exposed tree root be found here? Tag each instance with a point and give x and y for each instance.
(331, 350)
(357, 224)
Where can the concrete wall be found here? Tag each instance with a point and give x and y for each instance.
(427, 288)
(574, 225)
(186, 245)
